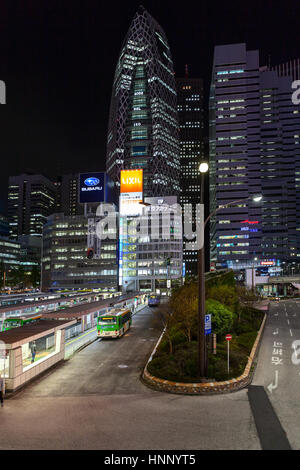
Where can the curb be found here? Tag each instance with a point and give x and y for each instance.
(205, 388)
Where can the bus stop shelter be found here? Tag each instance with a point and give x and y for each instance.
(30, 350)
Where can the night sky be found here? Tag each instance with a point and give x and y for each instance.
(58, 57)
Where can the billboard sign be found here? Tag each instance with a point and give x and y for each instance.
(91, 187)
(131, 192)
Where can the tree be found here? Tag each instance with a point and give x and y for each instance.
(184, 304)
(221, 317)
(224, 294)
(35, 275)
(17, 275)
(167, 318)
(2, 271)
(246, 297)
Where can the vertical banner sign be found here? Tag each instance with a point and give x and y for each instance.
(93, 242)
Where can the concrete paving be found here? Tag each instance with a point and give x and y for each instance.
(96, 401)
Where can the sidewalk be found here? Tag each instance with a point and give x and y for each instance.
(262, 304)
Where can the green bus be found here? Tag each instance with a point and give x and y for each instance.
(115, 323)
(14, 322)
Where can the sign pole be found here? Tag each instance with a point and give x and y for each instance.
(228, 339)
(228, 357)
(4, 374)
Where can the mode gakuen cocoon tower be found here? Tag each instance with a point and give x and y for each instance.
(143, 130)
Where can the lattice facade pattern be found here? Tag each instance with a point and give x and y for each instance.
(143, 129)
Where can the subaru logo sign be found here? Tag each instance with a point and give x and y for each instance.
(91, 181)
(91, 187)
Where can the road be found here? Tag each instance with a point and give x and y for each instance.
(278, 368)
(96, 401)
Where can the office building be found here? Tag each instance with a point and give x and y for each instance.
(151, 261)
(30, 253)
(69, 195)
(4, 226)
(143, 121)
(31, 199)
(254, 149)
(70, 262)
(9, 253)
(192, 151)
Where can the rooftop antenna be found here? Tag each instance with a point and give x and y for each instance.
(186, 71)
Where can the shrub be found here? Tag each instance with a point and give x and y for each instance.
(222, 318)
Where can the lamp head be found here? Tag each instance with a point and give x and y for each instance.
(203, 167)
(257, 198)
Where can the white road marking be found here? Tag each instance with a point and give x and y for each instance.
(291, 332)
(122, 366)
(288, 322)
(272, 387)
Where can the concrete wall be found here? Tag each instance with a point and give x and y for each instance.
(18, 377)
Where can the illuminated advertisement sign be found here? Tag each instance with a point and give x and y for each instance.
(249, 222)
(131, 192)
(131, 181)
(268, 263)
(91, 187)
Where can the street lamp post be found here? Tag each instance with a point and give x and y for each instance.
(202, 362)
(252, 283)
(202, 355)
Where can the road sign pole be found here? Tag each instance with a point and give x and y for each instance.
(228, 356)
(228, 338)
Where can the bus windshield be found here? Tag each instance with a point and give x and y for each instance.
(107, 321)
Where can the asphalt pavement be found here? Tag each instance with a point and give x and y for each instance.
(96, 400)
(278, 368)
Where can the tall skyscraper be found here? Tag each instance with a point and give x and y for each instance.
(254, 148)
(191, 121)
(69, 195)
(143, 121)
(31, 199)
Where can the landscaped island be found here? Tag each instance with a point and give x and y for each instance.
(231, 307)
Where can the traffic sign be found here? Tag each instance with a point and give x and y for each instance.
(228, 337)
(208, 324)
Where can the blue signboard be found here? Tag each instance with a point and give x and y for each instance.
(91, 187)
(207, 324)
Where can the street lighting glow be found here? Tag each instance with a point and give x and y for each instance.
(257, 198)
(203, 168)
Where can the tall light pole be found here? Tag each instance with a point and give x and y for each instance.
(202, 356)
(252, 283)
(202, 369)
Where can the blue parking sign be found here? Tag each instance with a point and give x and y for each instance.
(207, 324)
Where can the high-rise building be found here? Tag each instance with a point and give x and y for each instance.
(143, 121)
(65, 256)
(31, 199)
(254, 149)
(4, 226)
(191, 121)
(9, 255)
(69, 195)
